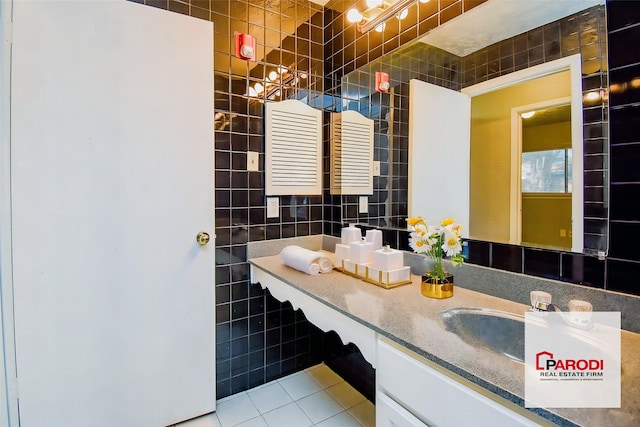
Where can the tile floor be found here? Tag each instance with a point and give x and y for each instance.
(316, 396)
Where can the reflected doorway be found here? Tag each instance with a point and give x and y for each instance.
(545, 169)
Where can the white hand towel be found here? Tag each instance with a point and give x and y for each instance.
(305, 260)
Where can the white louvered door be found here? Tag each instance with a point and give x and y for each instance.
(293, 149)
(352, 154)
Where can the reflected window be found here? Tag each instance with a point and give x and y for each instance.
(547, 171)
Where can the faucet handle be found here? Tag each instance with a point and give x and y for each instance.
(540, 298)
(580, 310)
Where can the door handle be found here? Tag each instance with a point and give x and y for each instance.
(203, 238)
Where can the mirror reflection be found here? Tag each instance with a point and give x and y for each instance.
(582, 33)
(546, 184)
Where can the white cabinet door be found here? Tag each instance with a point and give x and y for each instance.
(112, 178)
(438, 399)
(439, 144)
(390, 414)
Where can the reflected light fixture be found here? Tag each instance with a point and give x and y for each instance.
(592, 96)
(527, 115)
(378, 11)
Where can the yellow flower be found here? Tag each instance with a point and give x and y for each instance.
(446, 221)
(414, 221)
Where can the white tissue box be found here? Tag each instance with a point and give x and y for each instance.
(363, 270)
(350, 266)
(342, 252)
(388, 260)
(389, 277)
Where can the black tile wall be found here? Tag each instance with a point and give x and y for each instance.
(542, 263)
(582, 269)
(623, 263)
(258, 338)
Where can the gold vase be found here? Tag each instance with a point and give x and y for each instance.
(435, 288)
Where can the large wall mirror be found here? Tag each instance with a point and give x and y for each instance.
(557, 70)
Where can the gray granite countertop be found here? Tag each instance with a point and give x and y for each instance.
(405, 316)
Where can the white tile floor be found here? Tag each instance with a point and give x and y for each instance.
(316, 396)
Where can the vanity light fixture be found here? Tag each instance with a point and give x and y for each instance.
(378, 11)
(274, 82)
(527, 115)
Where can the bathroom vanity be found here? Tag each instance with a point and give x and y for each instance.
(425, 375)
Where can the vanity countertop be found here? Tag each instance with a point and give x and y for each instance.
(405, 316)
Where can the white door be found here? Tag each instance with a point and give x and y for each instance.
(112, 178)
(439, 143)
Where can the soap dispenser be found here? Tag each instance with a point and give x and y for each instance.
(375, 237)
(350, 234)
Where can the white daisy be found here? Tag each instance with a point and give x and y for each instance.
(451, 245)
(418, 243)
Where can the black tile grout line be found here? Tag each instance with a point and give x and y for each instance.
(629, 261)
(619, 30)
(623, 67)
(622, 106)
(623, 183)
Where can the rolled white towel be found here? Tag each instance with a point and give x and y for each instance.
(325, 264)
(305, 260)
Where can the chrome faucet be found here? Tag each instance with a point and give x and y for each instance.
(579, 314)
(544, 306)
(541, 301)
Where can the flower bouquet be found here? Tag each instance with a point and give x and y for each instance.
(437, 241)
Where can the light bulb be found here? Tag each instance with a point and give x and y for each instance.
(592, 96)
(380, 28)
(374, 3)
(403, 14)
(273, 76)
(283, 70)
(259, 88)
(252, 92)
(354, 16)
(527, 115)
(424, 1)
